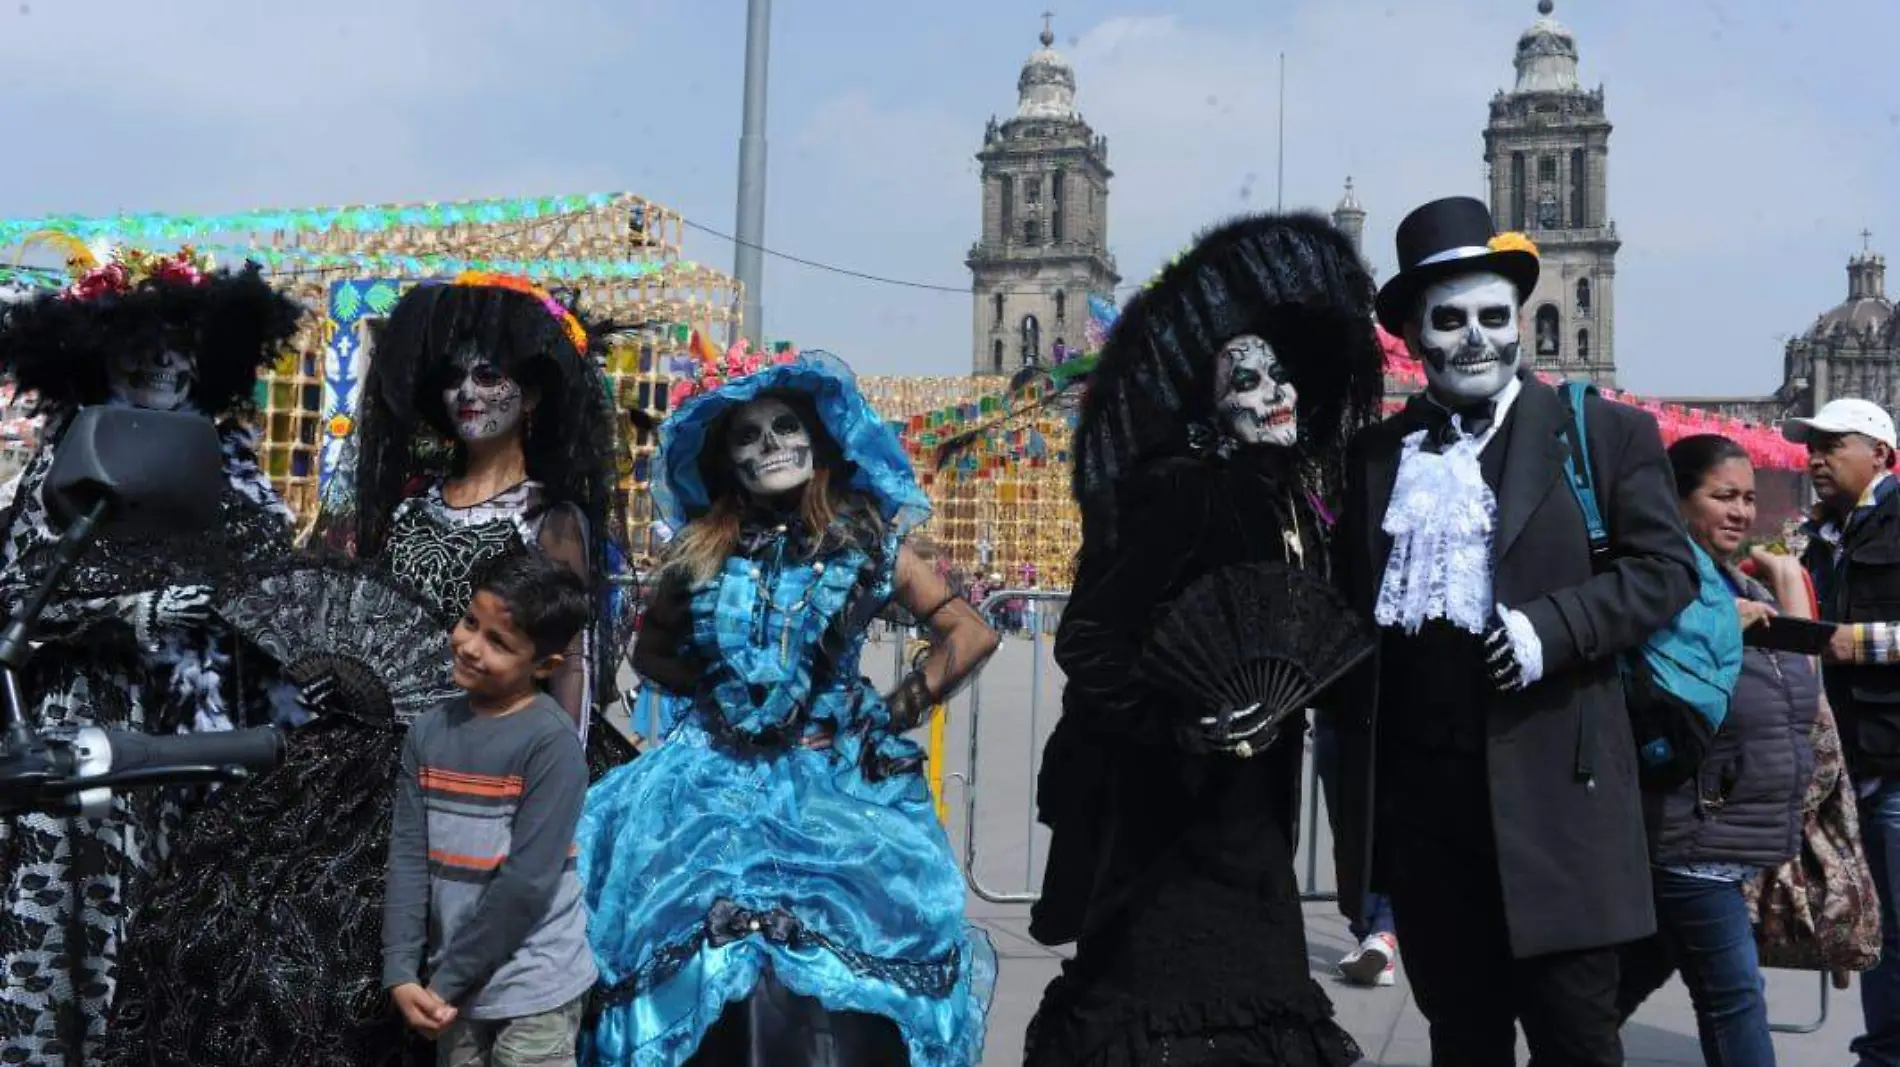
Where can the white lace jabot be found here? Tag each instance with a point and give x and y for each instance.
(1441, 517)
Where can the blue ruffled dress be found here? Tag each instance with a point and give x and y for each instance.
(730, 848)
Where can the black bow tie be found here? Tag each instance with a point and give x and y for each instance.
(1474, 418)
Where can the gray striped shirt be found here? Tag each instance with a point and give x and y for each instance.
(481, 861)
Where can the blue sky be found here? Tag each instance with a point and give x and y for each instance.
(1752, 144)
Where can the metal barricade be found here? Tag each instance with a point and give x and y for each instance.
(967, 778)
(1314, 796)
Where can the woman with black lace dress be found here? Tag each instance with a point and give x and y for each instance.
(128, 642)
(1210, 436)
(275, 955)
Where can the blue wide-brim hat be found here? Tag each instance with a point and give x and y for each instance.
(879, 465)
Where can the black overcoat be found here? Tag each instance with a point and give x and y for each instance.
(1559, 755)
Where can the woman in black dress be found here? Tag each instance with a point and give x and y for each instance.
(129, 641)
(1212, 433)
(264, 939)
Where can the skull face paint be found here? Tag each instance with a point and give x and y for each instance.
(769, 447)
(1253, 400)
(1466, 334)
(160, 381)
(482, 402)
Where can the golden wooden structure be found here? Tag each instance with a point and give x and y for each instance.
(589, 252)
(1021, 507)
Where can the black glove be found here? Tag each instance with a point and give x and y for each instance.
(320, 694)
(910, 703)
(1501, 662)
(174, 607)
(1245, 732)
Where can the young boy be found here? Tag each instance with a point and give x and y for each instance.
(481, 868)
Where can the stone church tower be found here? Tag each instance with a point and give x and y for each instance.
(1547, 148)
(1852, 350)
(1349, 218)
(1044, 247)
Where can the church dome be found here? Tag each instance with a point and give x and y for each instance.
(1866, 311)
(1547, 55)
(1853, 318)
(1046, 88)
(1349, 204)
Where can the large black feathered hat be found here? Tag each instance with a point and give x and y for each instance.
(1295, 281)
(1444, 239)
(58, 345)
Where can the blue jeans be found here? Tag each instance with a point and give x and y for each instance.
(1880, 987)
(1377, 918)
(1702, 929)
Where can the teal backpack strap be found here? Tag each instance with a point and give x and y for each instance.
(1577, 465)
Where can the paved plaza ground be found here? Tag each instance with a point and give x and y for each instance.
(1012, 725)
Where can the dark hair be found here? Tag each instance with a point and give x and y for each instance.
(61, 350)
(545, 599)
(570, 444)
(1695, 456)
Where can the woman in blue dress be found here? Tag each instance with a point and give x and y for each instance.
(773, 877)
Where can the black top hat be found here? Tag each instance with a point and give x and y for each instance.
(1444, 239)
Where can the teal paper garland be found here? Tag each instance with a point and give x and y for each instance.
(154, 227)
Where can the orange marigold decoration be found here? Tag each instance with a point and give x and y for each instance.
(1513, 241)
(569, 324)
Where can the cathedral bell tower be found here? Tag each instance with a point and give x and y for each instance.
(1044, 247)
(1547, 147)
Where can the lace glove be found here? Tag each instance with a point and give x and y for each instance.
(176, 607)
(1513, 655)
(321, 694)
(910, 703)
(1243, 732)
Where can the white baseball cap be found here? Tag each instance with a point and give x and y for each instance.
(1863, 417)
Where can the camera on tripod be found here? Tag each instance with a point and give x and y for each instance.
(138, 473)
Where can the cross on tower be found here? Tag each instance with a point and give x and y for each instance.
(1866, 240)
(1048, 34)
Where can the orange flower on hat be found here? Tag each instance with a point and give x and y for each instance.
(576, 334)
(1512, 241)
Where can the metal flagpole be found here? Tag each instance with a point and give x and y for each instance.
(1280, 194)
(748, 252)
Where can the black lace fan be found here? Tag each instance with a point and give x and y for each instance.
(386, 648)
(1249, 645)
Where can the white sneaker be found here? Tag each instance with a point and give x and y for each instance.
(1374, 963)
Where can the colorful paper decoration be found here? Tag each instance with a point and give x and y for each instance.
(153, 227)
(428, 266)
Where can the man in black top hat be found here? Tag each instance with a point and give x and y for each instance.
(1505, 812)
